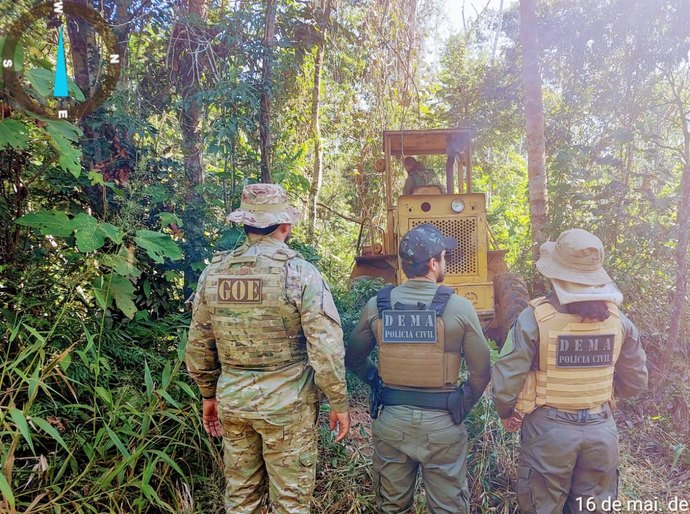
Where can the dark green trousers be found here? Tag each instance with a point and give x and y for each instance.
(409, 438)
(565, 461)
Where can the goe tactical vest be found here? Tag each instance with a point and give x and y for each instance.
(576, 360)
(412, 344)
(254, 323)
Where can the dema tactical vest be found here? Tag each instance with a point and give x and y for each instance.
(410, 353)
(254, 324)
(576, 360)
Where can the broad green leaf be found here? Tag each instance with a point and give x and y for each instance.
(74, 90)
(101, 291)
(89, 235)
(112, 232)
(50, 430)
(96, 178)
(19, 420)
(123, 263)
(63, 133)
(64, 129)
(54, 223)
(105, 395)
(158, 246)
(122, 292)
(13, 133)
(41, 80)
(6, 491)
(169, 218)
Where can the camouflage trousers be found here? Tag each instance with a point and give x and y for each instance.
(565, 462)
(275, 456)
(409, 438)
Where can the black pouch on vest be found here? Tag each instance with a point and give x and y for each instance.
(460, 403)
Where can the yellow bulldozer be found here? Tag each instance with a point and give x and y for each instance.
(476, 269)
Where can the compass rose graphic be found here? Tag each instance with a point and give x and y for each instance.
(66, 101)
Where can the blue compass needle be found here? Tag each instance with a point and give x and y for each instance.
(60, 88)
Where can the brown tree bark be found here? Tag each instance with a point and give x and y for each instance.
(683, 228)
(323, 16)
(534, 117)
(185, 58)
(266, 87)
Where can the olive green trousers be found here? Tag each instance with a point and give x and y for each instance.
(275, 456)
(409, 438)
(566, 460)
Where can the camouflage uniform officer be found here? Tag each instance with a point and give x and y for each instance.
(265, 334)
(418, 176)
(415, 428)
(563, 358)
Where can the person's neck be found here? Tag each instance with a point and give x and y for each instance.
(426, 278)
(272, 237)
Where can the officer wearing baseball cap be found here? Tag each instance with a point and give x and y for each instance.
(265, 338)
(422, 331)
(562, 361)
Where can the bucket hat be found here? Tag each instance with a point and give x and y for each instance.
(574, 263)
(263, 205)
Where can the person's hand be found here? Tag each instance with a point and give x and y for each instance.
(342, 420)
(513, 423)
(210, 417)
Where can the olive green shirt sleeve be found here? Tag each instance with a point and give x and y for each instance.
(322, 329)
(514, 362)
(474, 347)
(630, 374)
(362, 343)
(201, 355)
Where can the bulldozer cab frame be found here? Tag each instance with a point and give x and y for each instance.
(474, 269)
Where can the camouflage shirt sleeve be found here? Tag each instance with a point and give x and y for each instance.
(514, 362)
(201, 355)
(321, 325)
(630, 374)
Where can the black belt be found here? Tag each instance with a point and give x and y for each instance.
(425, 400)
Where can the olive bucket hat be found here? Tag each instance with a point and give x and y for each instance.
(263, 205)
(574, 263)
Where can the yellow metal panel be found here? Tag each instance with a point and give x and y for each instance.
(481, 295)
(468, 263)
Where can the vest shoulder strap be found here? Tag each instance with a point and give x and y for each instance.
(543, 310)
(441, 299)
(219, 256)
(383, 299)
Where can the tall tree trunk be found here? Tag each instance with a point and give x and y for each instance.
(324, 14)
(683, 229)
(187, 67)
(266, 91)
(534, 116)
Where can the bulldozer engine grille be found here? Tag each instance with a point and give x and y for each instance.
(463, 260)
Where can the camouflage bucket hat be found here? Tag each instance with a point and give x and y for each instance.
(577, 256)
(264, 205)
(424, 242)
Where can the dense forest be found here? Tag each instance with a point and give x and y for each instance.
(580, 111)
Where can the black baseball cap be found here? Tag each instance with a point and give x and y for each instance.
(424, 242)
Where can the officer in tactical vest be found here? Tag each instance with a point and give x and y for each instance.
(564, 358)
(418, 176)
(265, 334)
(421, 329)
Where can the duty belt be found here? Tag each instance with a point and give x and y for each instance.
(423, 399)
